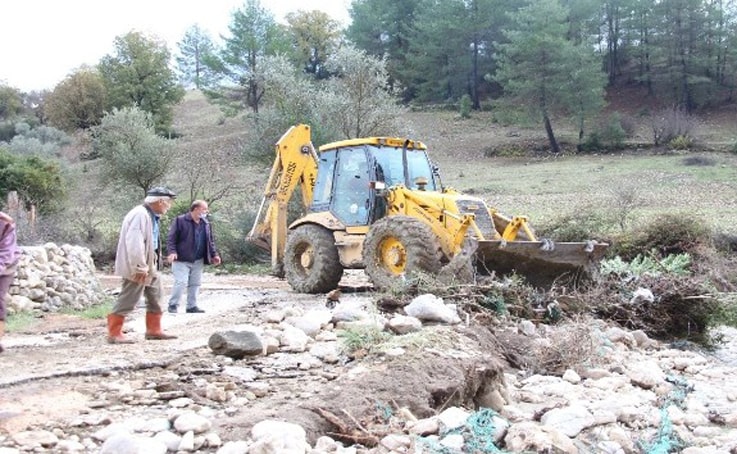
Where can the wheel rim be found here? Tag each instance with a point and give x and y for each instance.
(306, 258)
(393, 255)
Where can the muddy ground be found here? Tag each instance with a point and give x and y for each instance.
(60, 369)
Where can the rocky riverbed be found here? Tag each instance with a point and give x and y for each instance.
(439, 381)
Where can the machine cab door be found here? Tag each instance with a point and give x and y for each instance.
(352, 193)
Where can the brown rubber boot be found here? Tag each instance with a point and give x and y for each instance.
(153, 327)
(115, 330)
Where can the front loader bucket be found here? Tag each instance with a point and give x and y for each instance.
(540, 262)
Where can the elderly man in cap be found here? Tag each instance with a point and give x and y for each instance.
(136, 261)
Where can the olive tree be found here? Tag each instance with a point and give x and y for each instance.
(131, 152)
(359, 100)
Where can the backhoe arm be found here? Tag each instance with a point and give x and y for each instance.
(295, 164)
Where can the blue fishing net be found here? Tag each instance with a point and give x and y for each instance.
(666, 440)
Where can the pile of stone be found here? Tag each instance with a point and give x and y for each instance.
(52, 277)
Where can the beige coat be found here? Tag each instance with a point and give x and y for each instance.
(136, 252)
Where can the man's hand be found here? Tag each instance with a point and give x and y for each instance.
(216, 260)
(171, 258)
(140, 277)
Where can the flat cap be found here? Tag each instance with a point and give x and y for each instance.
(160, 191)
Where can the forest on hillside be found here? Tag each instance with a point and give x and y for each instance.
(681, 51)
(540, 62)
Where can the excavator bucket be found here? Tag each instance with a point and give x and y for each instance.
(541, 263)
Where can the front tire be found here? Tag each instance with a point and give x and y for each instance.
(311, 261)
(397, 249)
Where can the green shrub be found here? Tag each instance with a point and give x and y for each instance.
(593, 142)
(38, 181)
(579, 226)
(7, 131)
(230, 236)
(19, 321)
(95, 312)
(363, 338)
(675, 264)
(671, 123)
(668, 234)
(505, 151)
(680, 143)
(465, 106)
(610, 134)
(613, 134)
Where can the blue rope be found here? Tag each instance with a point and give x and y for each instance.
(666, 441)
(479, 432)
(478, 435)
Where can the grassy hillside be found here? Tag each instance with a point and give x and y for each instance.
(640, 183)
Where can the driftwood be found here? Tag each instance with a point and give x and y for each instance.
(353, 433)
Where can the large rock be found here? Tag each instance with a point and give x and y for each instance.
(236, 344)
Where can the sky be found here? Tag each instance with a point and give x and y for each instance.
(42, 41)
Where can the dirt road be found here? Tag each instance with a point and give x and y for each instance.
(44, 366)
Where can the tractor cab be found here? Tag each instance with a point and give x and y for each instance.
(351, 172)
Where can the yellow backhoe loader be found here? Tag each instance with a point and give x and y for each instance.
(378, 204)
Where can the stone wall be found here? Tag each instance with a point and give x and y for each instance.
(52, 277)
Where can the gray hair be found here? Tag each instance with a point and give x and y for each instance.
(155, 198)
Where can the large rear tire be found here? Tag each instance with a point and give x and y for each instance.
(311, 262)
(399, 248)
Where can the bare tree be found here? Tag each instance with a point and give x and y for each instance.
(210, 171)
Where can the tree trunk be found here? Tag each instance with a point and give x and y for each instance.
(475, 76)
(551, 137)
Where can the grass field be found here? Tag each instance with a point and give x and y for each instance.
(644, 185)
(641, 182)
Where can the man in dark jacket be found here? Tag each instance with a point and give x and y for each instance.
(190, 246)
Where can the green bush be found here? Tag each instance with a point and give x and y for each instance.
(505, 151)
(19, 321)
(593, 142)
(363, 338)
(675, 264)
(37, 181)
(671, 123)
(230, 236)
(580, 226)
(613, 134)
(465, 106)
(610, 135)
(7, 131)
(680, 143)
(667, 234)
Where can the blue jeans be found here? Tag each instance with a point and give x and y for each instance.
(186, 275)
